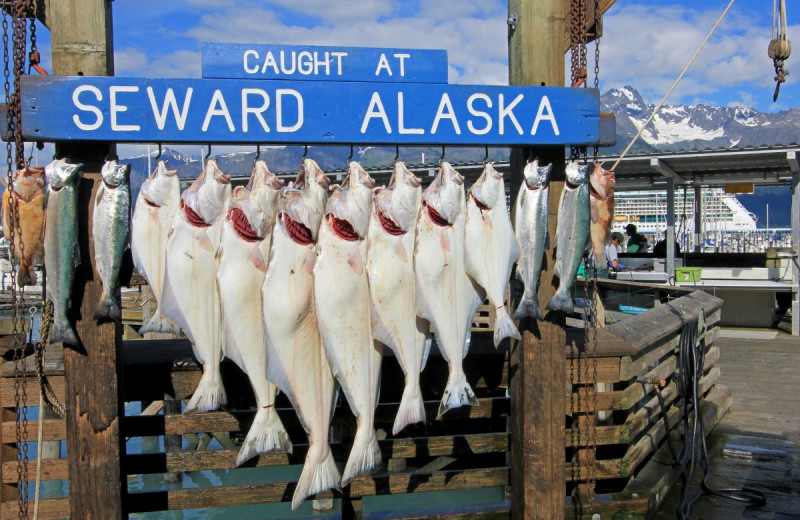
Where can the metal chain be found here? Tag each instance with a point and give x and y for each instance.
(596, 57)
(591, 436)
(19, 24)
(574, 430)
(574, 34)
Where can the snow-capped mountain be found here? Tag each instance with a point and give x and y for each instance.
(684, 127)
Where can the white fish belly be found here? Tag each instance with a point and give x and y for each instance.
(491, 250)
(341, 293)
(445, 295)
(241, 272)
(149, 234)
(190, 296)
(390, 269)
(296, 362)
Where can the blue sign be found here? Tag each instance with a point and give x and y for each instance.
(170, 110)
(304, 62)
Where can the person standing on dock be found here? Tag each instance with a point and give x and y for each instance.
(637, 243)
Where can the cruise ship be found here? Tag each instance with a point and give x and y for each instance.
(723, 215)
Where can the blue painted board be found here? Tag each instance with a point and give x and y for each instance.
(307, 62)
(304, 112)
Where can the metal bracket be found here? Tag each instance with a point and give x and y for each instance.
(512, 21)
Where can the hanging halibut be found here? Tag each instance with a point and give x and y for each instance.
(190, 297)
(111, 224)
(601, 200)
(243, 254)
(28, 194)
(153, 215)
(530, 226)
(572, 234)
(341, 294)
(446, 295)
(492, 247)
(61, 253)
(390, 269)
(296, 362)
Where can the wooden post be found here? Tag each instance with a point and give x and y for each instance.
(82, 45)
(537, 376)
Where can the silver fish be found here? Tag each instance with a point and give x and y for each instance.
(111, 225)
(243, 254)
(341, 293)
(390, 269)
(153, 215)
(572, 234)
(61, 253)
(530, 226)
(492, 247)
(295, 359)
(446, 295)
(190, 297)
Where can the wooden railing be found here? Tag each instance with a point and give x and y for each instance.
(452, 467)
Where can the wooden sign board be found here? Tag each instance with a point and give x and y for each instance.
(746, 188)
(305, 62)
(168, 110)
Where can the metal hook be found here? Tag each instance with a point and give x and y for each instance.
(396, 153)
(441, 159)
(485, 157)
(350, 157)
(209, 153)
(159, 152)
(258, 154)
(305, 152)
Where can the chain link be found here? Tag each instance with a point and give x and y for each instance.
(16, 151)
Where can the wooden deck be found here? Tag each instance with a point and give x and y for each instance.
(757, 443)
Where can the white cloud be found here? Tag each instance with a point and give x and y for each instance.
(177, 64)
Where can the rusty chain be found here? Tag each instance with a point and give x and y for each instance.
(16, 150)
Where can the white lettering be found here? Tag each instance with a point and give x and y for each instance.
(247, 69)
(507, 111)
(402, 58)
(305, 63)
(544, 104)
(283, 63)
(449, 114)
(339, 56)
(87, 108)
(383, 63)
(269, 61)
(116, 108)
(170, 103)
(376, 110)
(322, 63)
(401, 128)
(217, 100)
(479, 113)
(247, 109)
(279, 93)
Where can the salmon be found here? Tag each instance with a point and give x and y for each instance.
(61, 253)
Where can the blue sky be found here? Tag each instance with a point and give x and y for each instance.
(646, 43)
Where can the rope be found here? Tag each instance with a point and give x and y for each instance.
(680, 77)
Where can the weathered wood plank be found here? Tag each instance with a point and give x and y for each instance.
(398, 483)
(391, 448)
(653, 325)
(608, 370)
(52, 469)
(49, 509)
(7, 397)
(53, 430)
